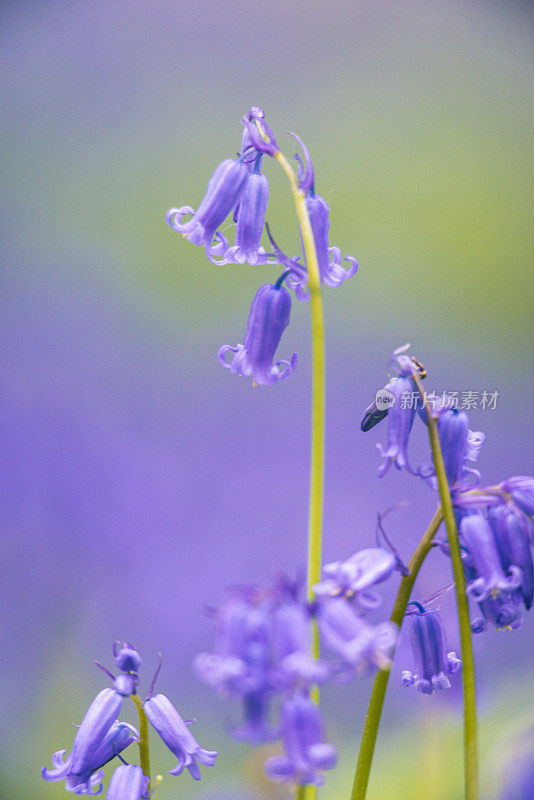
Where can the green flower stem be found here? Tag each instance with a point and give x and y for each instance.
(144, 755)
(378, 694)
(468, 669)
(315, 521)
(318, 385)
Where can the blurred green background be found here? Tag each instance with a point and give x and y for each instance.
(138, 478)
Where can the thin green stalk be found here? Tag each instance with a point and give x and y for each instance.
(468, 669)
(318, 384)
(315, 521)
(144, 755)
(378, 693)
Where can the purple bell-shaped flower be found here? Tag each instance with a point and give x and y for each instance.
(267, 320)
(433, 663)
(173, 730)
(483, 557)
(306, 754)
(128, 783)
(224, 191)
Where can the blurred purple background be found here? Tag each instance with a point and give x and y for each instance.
(138, 478)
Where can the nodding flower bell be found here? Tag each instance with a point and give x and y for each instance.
(267, 320)
(458, 446)
(331, 271)
(400, 422)
(128, 783)
(224, 191)
(354, 577)
(395, 401)
(250, 219)
(126, 657)
(306, 754)
(83, 776)
(483, 557)
(294, 666)
(512, 539)
(98, 719)
(432, 660)
(358, 644)
(521, 489)
(173, 730)
(259, 133)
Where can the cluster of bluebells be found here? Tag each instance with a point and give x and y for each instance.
(101, 737)
(239, 188)
(495, 523)
(262, 657)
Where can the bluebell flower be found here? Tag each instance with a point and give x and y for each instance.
(396, 402)
(242, 664)
(459, 445)
(224, 191)
(359, 645)
(483, 557)
(98, 719)
(521, 490)
(241, 661)
(267, 320)
(126, 657)
(293, 663)
(512, 539)
(250, 219)
(501, 613)
(256, 727)
(248, 151)
(433, 663)
(400, 417)
(306, 754)
(256, 125)
(86, 779)
(168, 723)
(128, 783)
(354, 577)
(331, 271)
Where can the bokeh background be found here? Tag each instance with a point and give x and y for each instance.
(138, 478)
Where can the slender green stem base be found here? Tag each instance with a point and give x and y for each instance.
(378, 694)
(144, 755)
(468, 669)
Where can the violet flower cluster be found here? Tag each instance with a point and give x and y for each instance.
(262, 657)
(495, 523)
(240, 189)
(101, 737)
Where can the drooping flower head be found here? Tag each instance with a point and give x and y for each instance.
(354, 577)
(521, 490)
(359, 645)
(88, 781)
(166, 720)
(459, 445)
(395, 401)
(128, 783)
(331, 271)
(511, 537)
(482, 556)
(249, 228)
(259, 132)
(433, 663)
(241, 665)
(267, 320)
(224, 191)
(306, 754)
